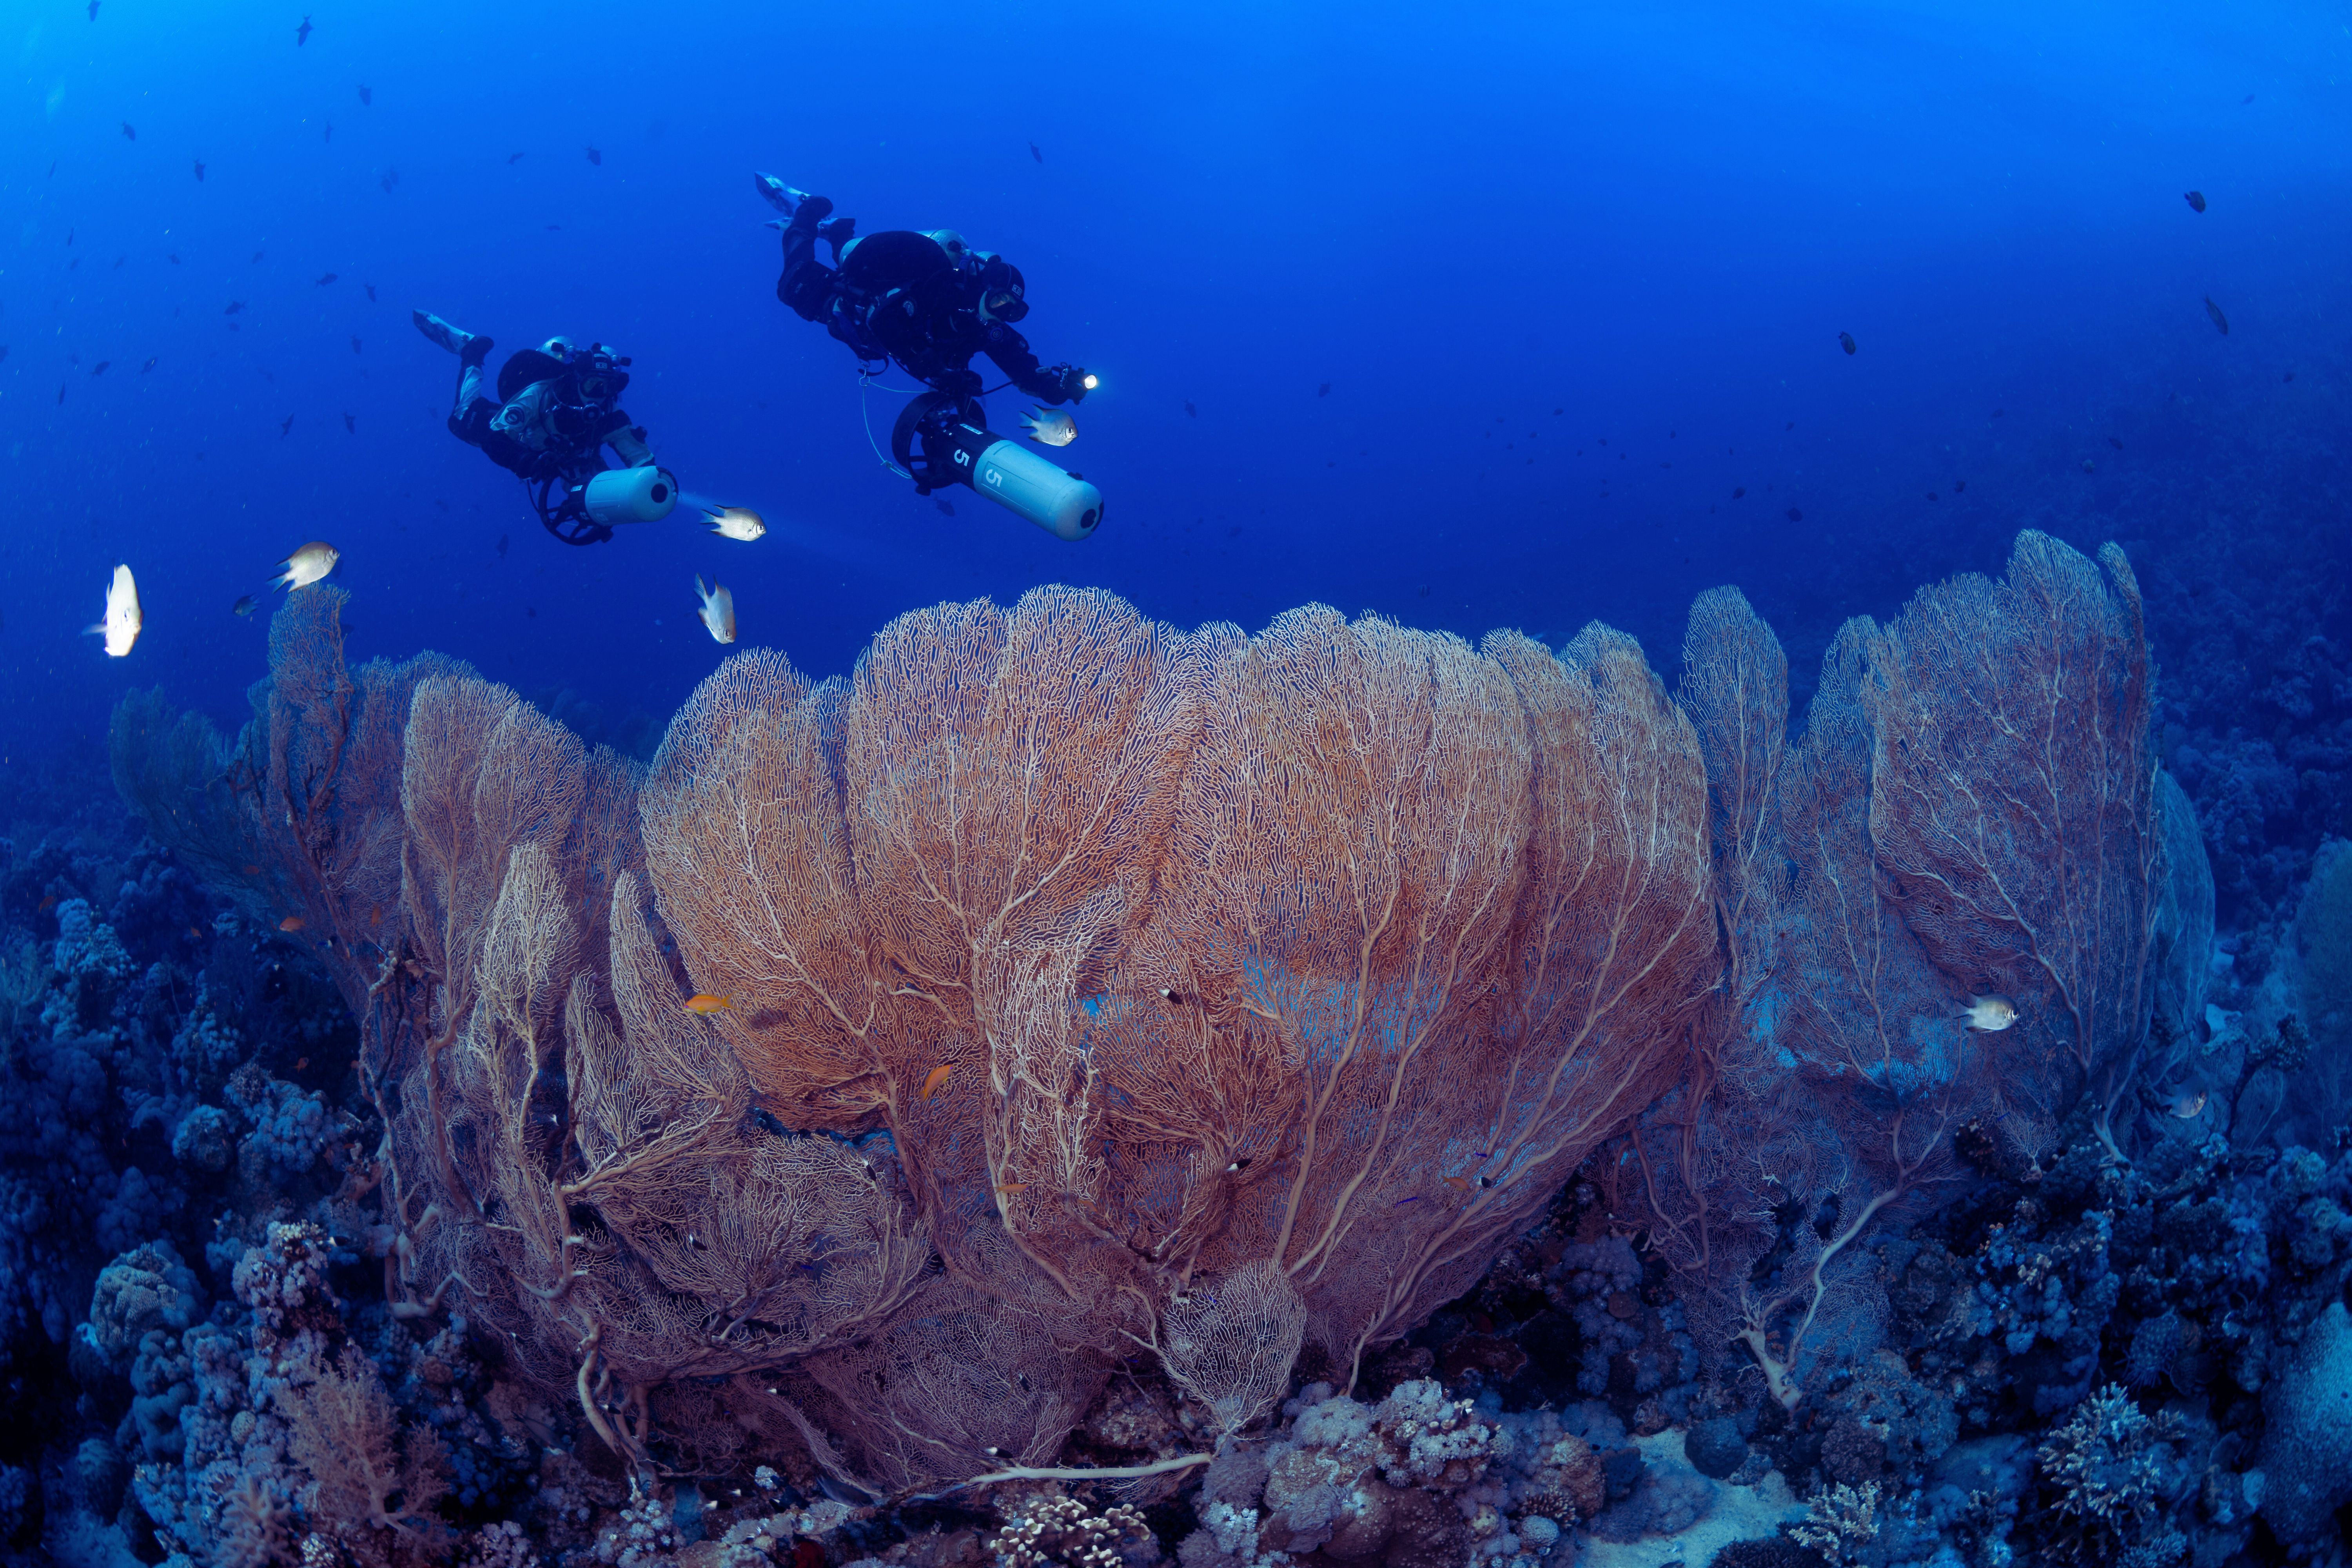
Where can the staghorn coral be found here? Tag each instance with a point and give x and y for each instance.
(1063, 1532)
(2113, 1470)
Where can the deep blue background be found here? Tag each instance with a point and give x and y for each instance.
(1501, 233)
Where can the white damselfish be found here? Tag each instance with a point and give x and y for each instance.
(737, 522)
(120, 627)
(1050, 427)
(306, 566)
(717, 610)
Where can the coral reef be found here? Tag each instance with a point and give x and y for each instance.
(1167, 1101)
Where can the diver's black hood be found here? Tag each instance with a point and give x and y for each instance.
(523, 367)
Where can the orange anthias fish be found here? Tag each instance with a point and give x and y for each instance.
(292, 923)
(939, 1076)
(1008, 1188)
(705, 1004)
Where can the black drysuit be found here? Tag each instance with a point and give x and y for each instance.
(898, 296)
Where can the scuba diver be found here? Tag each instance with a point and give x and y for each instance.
(557, 407)
(929, 303)
(927, 300)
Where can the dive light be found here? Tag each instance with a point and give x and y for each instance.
(629, 495)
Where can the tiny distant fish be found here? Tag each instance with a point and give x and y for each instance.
(391, 178)
(234, 307)
(739, 522)
(99, 368)
(371, 291)
(1845, 342)
(1324, 390)
(2220, 319)
(324, 278)
(287, 426)
(4, 353)
(1034, 154)
(327, 132)
(244, 606)
(292, 923)
(2248, 98)
(2186, 1106)
(502, 547)
(200, 172)
(947, 507)
(350, 423)
(302, 33)
(514, 157)
(367, 95)
(306, 566)
(595, 157)
(2089, 467)
(2117, 445)
(704, 1003)
(1959, 485)
(1990, 1015)
(1051, 429)
(355, 345)
(1008, 1188)
(1190, 410)
(173, 257)
(1931, 495)
(128, 133)
(93, 10)
(123, 617)
(61, 394)
(1459, 1183)
(1401, 1202)
(2195, 200)
(937, 1077)
(69, 232)
(253, 871)
(1796, 516)
(46, 905)
(717, 610)
(1738, 490)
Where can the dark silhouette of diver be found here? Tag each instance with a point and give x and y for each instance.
(557, 405)
(927, 300)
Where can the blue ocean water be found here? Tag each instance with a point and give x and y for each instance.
(1502, 238)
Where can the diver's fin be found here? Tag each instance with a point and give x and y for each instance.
(776, 194)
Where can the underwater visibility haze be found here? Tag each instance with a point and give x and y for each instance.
(1602, 820)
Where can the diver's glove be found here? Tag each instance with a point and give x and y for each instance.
(1073, 378)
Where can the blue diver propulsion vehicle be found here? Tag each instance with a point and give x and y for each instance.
(583, 506)
(941, 439)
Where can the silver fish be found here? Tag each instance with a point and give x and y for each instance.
(1051, 427)
(717, 610)
(737, 522)
(124, 620)
(306, 566)
(1989, 1013)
